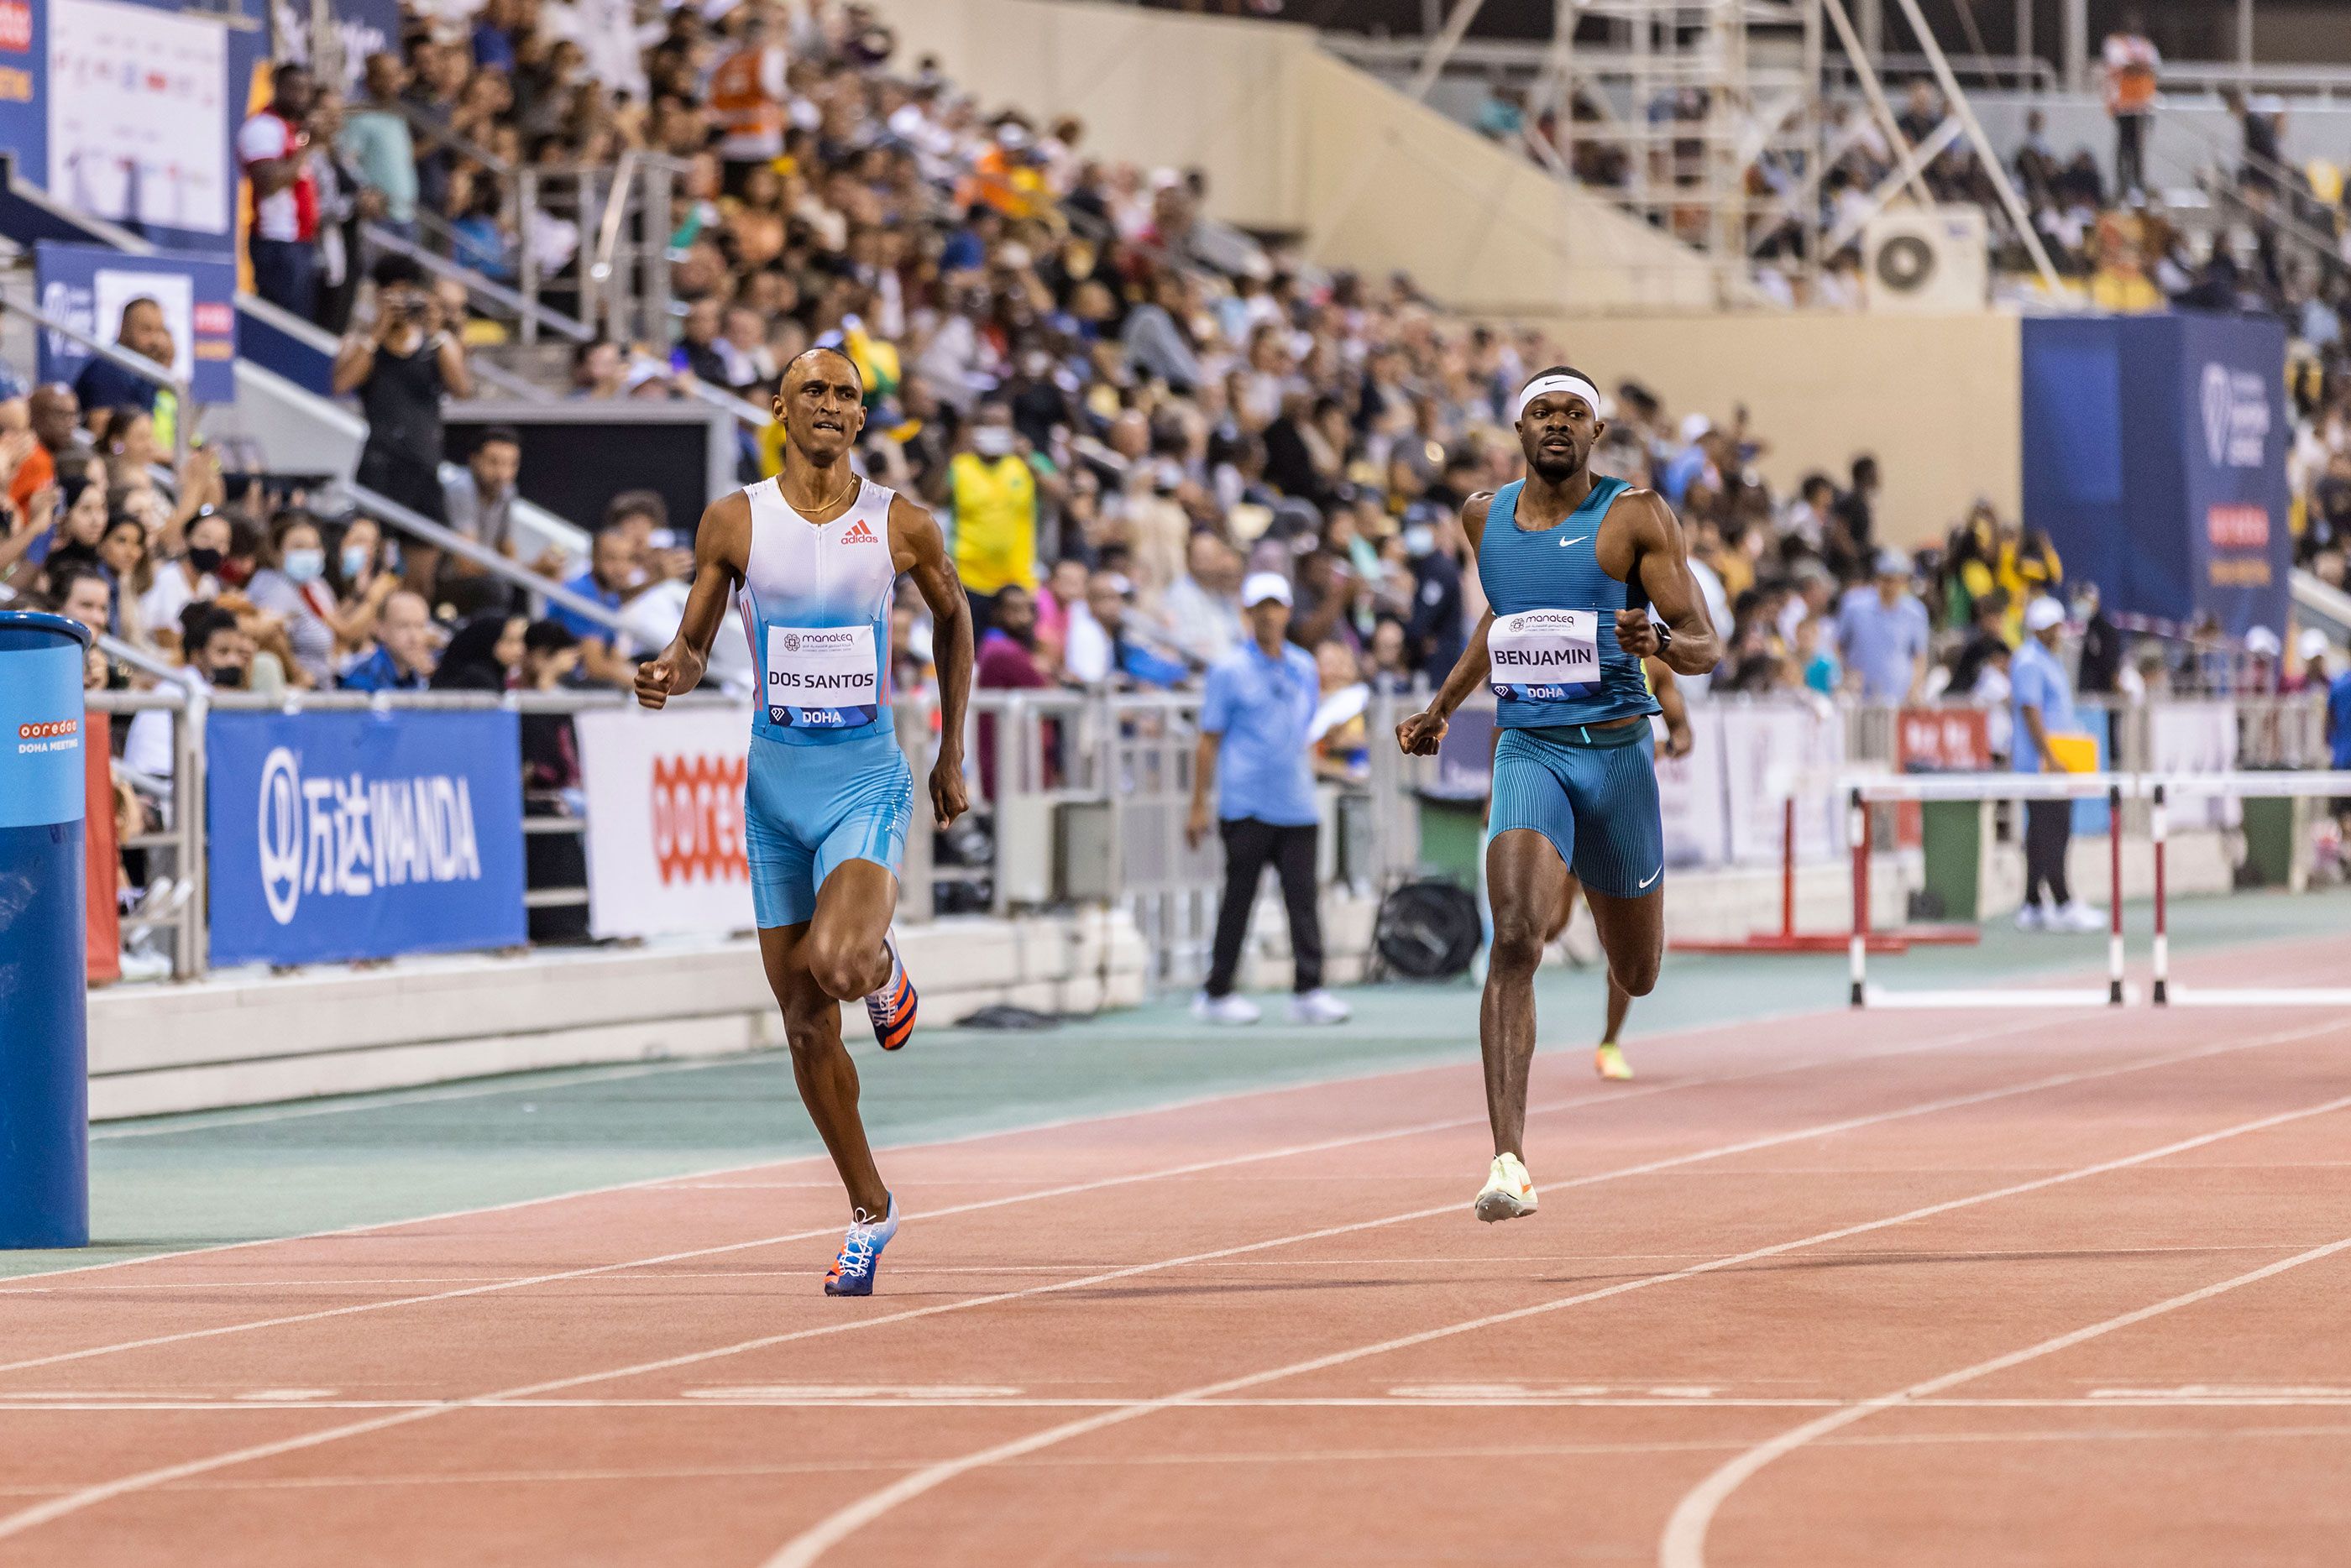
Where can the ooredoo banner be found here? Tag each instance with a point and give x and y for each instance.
(358, 835)
(665, 821)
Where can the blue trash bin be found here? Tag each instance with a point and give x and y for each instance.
(44, 1045)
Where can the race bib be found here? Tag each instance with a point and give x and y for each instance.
(823, 677)
(1545, 655)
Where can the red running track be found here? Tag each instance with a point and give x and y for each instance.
(1848, 1289)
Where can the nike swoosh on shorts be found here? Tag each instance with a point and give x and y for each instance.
(1653, 876)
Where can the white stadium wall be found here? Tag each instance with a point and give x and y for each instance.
(1294, 140)
(1936, 397)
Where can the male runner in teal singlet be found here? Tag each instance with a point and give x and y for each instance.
(811, 558)
(1573, 564)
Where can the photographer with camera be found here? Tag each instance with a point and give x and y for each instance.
(400, 370)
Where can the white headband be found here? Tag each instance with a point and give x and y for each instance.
(1542, 385)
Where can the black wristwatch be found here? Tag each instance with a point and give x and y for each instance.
(1665, 636)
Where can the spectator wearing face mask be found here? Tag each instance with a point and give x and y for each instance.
(993, 491)
(293, 587)
(403, 656)
(1435, 631)
(192, 577)
(1009, 662)
(219, 655)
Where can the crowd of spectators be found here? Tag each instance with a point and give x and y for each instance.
(1119, 408)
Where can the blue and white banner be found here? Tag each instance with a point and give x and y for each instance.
(86, 286)
(2154, 458)
(356, 835)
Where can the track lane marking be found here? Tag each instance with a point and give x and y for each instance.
(1066, 1190)
(17, 1523)
(1684, 1543)
(808, 1547)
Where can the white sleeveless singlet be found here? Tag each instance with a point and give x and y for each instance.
(816, 611)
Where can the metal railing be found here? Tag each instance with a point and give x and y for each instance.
(122, 359)
(1081, 799)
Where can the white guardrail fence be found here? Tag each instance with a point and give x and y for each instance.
(341, 827)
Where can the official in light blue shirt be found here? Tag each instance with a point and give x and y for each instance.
(1254, 761)
(1260, 705)
(2037, 679)
(2042, 691)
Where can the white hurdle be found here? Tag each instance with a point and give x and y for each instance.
(1863, 789)
(2244, 786)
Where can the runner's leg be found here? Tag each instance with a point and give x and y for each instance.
(820, 1063)
(1527, 879)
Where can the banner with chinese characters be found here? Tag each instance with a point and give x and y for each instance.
(339, 835)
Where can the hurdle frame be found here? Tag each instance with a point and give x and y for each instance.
(1861, 791)
(2285, 785)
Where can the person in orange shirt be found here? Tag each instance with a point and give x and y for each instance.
(747, 103)
(54, 411)
(2132, 64)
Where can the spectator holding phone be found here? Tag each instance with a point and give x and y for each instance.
(400, 370)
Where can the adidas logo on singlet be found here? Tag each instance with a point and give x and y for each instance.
(859, 534)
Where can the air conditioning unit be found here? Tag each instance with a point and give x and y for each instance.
(1927, 260)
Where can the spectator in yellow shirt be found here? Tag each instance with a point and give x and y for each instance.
(992, 491)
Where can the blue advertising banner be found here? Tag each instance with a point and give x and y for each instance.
(356, 835)
(86, 286)
(24, 89)
(2155, 459)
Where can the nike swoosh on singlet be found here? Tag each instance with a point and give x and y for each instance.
(1579, 539)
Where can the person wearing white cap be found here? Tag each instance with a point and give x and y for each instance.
(2310, 652)
(1254, 762)
(2043, 697)
(1586, 577)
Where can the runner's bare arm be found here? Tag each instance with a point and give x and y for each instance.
(1419, 735)
(1671, 706)
(722, 549)
(918, 549)
(1661, 556)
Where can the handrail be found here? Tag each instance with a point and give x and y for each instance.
(463, 146)
(616, 206)
(386, 510)
(517, 387)
(564, 701)
(476, 283)
(123, 652)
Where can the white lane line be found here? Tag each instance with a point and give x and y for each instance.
(1515, 1451)
(811, 1544)
(1082, 1118)
(1684, 1544)
(1490, 1260)
(99, 1403)
(1066, 1190)
(56, 1508)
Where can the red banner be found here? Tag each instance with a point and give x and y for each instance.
(101, 859)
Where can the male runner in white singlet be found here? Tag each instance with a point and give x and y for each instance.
(811, 558)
